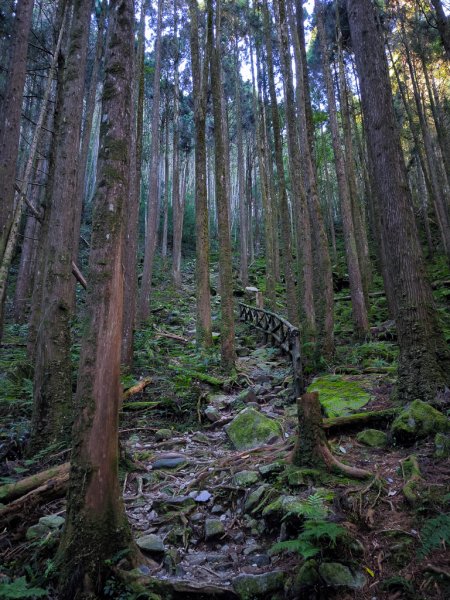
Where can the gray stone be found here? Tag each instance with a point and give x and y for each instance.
(249, 587)
(169, 463)
(307, 575)
(245, 478)
(247, 395)
(268, 471)
(259, 560)
(52, 521)
(217, 509)
(338, 575)
(37, 531)
(151, 543)
(203, 496)
(255, 497)
(213, 528)
(212, 414)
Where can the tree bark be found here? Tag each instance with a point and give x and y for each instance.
(177, 202)
(443, 25)
(359, 308)
(228, 355)
(200, 83)
(424, 364)
(96, 523)
(153, 193)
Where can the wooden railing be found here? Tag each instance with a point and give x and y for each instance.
(280, 333)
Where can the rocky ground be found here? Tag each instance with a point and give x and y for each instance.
(215, 503)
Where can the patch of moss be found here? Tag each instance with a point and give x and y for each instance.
(250, 429)
(418, 420)
(338, 395)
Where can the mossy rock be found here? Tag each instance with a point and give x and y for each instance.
(245, 479)
(303, 476)
(251, 587)
(250, 429)
(307, 576)
(418, 420)
(338, 395)
(442, 444)
(337, 575)
(373, 438)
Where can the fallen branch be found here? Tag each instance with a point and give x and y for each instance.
(78, 275)
(171, 336)
(135, 389)
(359, 420)
(139, 405)
(11, 491)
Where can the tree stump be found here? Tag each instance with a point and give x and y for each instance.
(311, 448)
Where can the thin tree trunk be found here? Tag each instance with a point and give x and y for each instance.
(443, 26)
(96, 524)
(222, 201)
(424, 365)
(166, 187)
(200, 83)
(153, 189)
(177, 207)
(359, 309)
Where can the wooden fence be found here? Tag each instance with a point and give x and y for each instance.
(280, 333)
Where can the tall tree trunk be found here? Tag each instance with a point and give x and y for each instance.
(10, 122)
(96, 523)
(153, 183)
(165, 226)
(243, 229)
(52, 407)
(222, 201)
(177, 207)
(300, 208)
(443, 25)
(285, 219)
(200, 83)
(131, 229)
(424, 364)
(323, 277)
(359, 309)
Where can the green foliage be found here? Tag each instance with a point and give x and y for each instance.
(313, 508)
(434, 533)
(19, 589)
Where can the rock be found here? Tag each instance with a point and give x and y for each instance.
(418, 420)
(268, 471)
(253, 405)
(247, 395)
(217, 509)
(338, 575)
(203, 496)
(200, 437)
(163, 434)
(37, 531)
(307, 576)
(151, 543)
(169, 463)
(250, 429)
(259, 560)
(302, 476)
(338, 395)
(172, 503)
(212, 414)
(442, 443)
(255, 497)
(245, 478)
(373, 438)
(52, 521)
(249, 587)
(213, 528)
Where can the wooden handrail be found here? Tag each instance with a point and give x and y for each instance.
(280, 333)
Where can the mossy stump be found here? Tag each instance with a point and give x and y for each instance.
(311, 448)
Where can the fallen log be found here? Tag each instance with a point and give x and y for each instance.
(171, 336)
(79, 275)
(139, 405)
(135, 389)
(11, 491)
(359, 420)
(53, 488)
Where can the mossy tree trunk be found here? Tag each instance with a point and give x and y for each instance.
(96, 525)
(200, 83)
(52, 407)
(424, 363)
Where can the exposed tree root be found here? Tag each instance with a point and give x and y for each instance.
(359, 420)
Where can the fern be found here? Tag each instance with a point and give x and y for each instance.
(308, 542)
(19, 589)
(312, 509)
(302, 547)
(433, 533)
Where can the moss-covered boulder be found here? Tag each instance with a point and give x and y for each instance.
(245, 479)
(442, 444)
(250, 587)
(337, 575)
(307, 576)
(250, 429)
(418, 420)
(339, 395)
(373, 438)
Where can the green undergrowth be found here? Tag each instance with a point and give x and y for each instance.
(338, 395)
(16, 372)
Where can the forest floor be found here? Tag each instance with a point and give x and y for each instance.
(212, 513)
